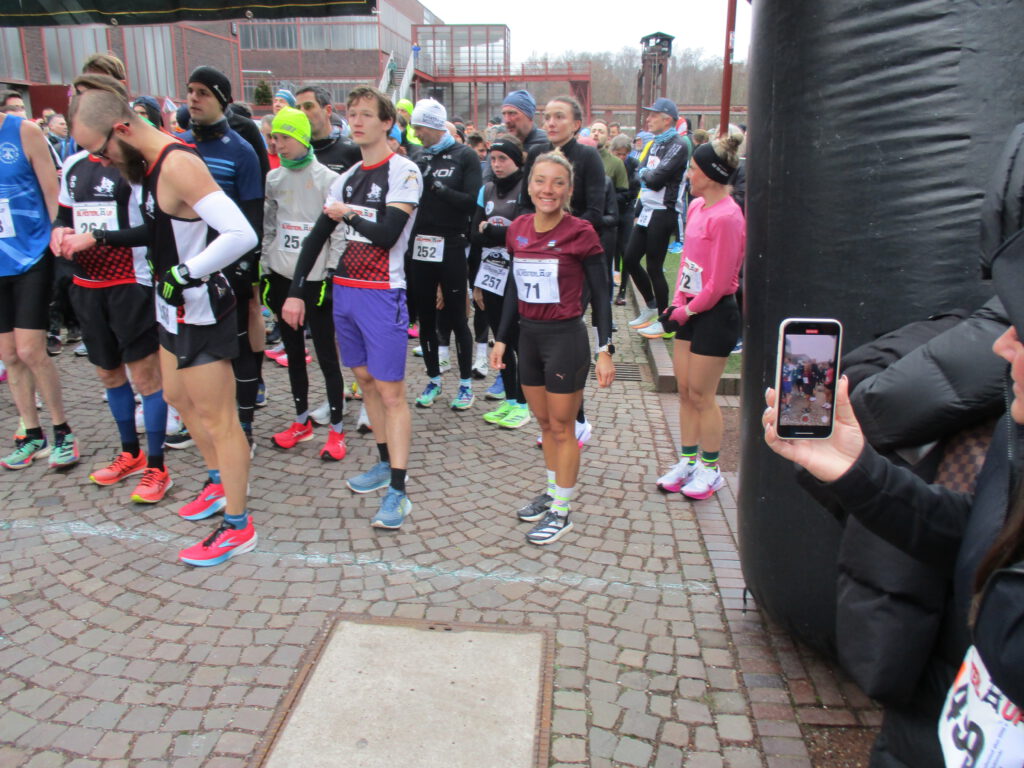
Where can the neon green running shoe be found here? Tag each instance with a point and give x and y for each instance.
(499, 413)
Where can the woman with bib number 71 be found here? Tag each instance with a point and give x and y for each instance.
(552, 254)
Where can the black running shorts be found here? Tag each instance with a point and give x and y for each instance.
(196, 345)
(118, 323)
(25, 298)
(713, 333)
(554, 355)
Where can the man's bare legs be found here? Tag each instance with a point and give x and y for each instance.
(204, 395)
(30, 368)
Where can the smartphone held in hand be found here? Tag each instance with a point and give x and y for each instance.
(806, 372)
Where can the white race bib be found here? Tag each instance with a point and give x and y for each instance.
(428, 248)
(645, 216)
(537, 280)
(167, 316)
(92, 216)
(493, 272)
(979, 725)
(370, 214)
(6, 220)
(290, 235)
(691, 278)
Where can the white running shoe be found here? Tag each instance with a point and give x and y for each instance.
(363, 424)
(678, 476)
(445, 364)
(583, 432)
(704, 483)
(480, 367)
(322, 414)
(173, 426)
(140, 419)
(647, 316)
(652, 331)
(418, 351)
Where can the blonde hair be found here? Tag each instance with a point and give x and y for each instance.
(727, 147)
(556, 157)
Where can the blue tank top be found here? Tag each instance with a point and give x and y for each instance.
(22, 207)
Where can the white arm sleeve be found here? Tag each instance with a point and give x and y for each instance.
(235, 236)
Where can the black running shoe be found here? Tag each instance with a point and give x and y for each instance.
(535, 510)
(181, 439)
(550, 529)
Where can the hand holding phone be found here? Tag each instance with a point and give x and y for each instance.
(827, 459)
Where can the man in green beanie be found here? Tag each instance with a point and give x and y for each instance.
(295, 199)
(404, 108)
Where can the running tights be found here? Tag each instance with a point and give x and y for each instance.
(320, 321)
(246, 369)
(493, 304)
(653, 241)
(451, 275)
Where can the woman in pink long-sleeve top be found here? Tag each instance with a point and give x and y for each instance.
(706, 314)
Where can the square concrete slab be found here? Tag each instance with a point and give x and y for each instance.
(387, 695)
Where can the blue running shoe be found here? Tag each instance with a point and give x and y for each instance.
(676, 248)
(376, 477)
(496, 391)
(394, 508)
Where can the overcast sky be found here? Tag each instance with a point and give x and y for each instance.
(556, 26)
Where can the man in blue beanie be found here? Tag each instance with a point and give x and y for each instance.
(517, 111)
(283, 98)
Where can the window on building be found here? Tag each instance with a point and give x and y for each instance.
(268, 36)
(339, 37)
(12, 62)
(68, 47)
(150, 61)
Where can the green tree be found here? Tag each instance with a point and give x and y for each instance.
(262, 96)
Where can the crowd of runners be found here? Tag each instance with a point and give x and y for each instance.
(184, 249)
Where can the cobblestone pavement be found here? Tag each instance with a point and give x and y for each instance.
(112, 653)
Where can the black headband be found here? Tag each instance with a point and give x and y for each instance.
(714, 167)
(514, 153)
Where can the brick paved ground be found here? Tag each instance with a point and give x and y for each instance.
(112, 653)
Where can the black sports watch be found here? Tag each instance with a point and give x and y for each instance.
(100, 236)
(609, 348)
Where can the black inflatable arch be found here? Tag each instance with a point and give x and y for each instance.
(874, 127)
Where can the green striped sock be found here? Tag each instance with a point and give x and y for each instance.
(710, 459)
(689, 452)
(561, 497)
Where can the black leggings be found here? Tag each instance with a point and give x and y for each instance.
(320, 321)
(651, 240)
(451, 274)
(493, 304)
(245, 365)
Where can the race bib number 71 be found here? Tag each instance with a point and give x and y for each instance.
(537, 280)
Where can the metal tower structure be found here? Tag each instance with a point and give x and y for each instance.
(652, 79)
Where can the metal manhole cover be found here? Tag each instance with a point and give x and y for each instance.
(624, 372)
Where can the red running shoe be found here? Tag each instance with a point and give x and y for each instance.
(414, 331)
(275, 352)
(295, 434)
(335, 448)
(223, 543)
(153, 486)
(282, 359)
(123, 465)
(210, 501)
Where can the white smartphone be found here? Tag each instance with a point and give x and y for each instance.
(806, 372)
